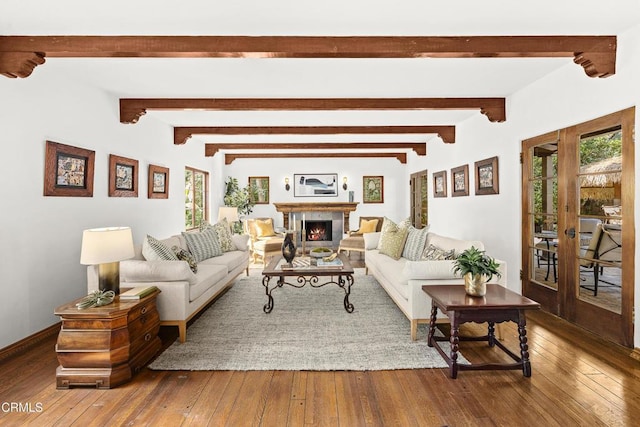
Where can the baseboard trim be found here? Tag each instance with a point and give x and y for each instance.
(635, 354)
(25, 344)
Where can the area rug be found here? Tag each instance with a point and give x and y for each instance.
(308, 329)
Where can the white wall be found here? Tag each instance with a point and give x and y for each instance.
(395, 206)
(558, 100)
(40, 236)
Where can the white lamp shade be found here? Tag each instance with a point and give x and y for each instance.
(229, 212)
(105, 245)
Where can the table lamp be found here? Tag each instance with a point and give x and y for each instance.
(106, 247)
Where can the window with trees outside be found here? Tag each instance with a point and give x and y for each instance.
(196, 208)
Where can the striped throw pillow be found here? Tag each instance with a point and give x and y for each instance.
(416, 241)
(203, 245)
(154, 250)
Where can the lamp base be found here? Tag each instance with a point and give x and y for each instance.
(109, 277)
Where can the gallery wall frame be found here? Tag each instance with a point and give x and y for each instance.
(440, 184)
(460, 181)
(158, 183)
(68, 170)
(486, 174)
(315, 185)
(123, 176)
(261, 183)
(373, 189)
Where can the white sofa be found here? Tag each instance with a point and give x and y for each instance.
(183, 293)
(403, 279)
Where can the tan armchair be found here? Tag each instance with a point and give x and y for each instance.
(355, 240)
(264, 241)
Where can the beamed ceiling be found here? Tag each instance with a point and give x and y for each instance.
(279, 81)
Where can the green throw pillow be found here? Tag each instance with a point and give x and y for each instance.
(223, 231)
(392, 238)
(154, 250)
(203, 245)
(185, 255)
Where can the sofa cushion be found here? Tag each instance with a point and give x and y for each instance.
(156, 271)
(448, 243)
(232, 259)
(428, 270)
(241, 241)
(414, 246)
(390, 270)
(392, 238)
(371, 240)
(155, 250)
(203, 245)
(207, 276)
(434, 253)
(185, 255)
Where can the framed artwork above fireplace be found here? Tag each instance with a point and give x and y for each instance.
(315, 185)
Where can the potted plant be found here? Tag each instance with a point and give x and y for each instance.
(242, 198)
(477, 268)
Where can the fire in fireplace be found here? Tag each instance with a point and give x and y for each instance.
(318, 231)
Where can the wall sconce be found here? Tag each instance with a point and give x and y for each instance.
(286, 184)
(344, 183)
(106, 247)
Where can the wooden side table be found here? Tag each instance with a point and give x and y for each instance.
(105, 346)
(497, 306)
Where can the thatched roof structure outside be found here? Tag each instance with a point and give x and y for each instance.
(605, 173)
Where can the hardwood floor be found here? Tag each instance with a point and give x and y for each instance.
(577, 379)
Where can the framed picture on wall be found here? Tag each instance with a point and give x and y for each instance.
(487, 176)
(460, 181)
(440, 184)
(373, 189)
(123, 177)
(261, 185)
(158, 184)
(315, 184)
(68, 170)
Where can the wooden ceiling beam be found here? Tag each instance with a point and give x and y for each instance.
(230, 157)
(182, 134)
(210, 149)
(131, 109)
(596, 54)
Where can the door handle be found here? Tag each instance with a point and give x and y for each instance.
(571, 233)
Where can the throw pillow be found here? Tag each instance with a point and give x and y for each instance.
(264, 227)
(154, 250)
(203, 245)
(416, 240)
(392, 238)
(185, 255)
(432, 252)
(223, 231)
(368, 226)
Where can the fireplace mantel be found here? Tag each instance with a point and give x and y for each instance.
(345, 207)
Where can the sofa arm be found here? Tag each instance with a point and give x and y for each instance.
(241, 241)
(156, 271)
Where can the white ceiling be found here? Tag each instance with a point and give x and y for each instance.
(224, 77)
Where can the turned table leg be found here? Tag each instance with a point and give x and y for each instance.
(524, 348)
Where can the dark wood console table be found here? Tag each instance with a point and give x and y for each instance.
(497, 306)
(105, 346)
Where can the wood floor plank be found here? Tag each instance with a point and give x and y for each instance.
(577, 379)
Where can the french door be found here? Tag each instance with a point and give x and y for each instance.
(577, 224)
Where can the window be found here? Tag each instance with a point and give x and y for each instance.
(196, 206)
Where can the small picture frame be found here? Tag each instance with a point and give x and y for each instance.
(261, 184)
(373, 189)
(123, 177)
(487, 176)
(158, 187)
(440, 184)
(68, 170)
(460, 181)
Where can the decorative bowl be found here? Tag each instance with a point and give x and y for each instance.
(320, 252)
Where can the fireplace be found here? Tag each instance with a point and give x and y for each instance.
(319, 231)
